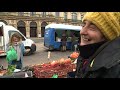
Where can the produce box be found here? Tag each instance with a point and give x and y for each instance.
(54, 69)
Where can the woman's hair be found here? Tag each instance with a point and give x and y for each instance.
(17, 35)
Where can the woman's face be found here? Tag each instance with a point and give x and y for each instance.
(15, 40)
(90, 34)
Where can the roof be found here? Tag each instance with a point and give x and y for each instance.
(63, 26)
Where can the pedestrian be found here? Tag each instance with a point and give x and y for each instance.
(74, 42)
(99, 46)
(64, 41)
(16, 43)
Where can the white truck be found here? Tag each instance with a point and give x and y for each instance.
(6, 31)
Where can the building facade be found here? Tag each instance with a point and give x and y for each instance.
(32, 24)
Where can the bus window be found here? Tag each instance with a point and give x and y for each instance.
(58, 35)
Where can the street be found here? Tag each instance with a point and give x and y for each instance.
(40, 56)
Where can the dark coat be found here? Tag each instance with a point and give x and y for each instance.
(64, 40)
(106, 63)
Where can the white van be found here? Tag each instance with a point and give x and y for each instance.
(6, 31)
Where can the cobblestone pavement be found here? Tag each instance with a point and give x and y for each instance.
(40, 56)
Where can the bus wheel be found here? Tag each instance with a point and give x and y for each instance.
(28, 51)
(51, 48)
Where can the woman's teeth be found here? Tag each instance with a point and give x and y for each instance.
(84, 38)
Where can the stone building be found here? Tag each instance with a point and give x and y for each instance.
(31, 24)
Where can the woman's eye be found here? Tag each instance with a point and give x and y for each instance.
(92, 27)
(83, 24)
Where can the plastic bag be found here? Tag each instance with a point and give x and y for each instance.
(55, 76)
(11, 55)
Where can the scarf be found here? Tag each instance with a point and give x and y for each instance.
(88, 50)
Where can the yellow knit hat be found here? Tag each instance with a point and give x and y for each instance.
(107, 22)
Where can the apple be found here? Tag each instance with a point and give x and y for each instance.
(62, 61)
(67, 61)
(54, 63)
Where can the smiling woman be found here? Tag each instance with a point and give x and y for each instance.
(90, 34)
(99, 46)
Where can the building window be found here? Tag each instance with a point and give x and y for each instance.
(74, 16)
(82, 16)
(20, 13)
(43, 14)
(32, 13)
(57, 14)
(65, 15)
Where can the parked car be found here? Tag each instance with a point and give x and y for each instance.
(6, 31)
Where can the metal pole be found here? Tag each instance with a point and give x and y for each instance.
(49, 55)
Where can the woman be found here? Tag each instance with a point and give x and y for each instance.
(64, 41)
(16, 43)
(99, 46)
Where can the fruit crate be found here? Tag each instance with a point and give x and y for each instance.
(47, 72)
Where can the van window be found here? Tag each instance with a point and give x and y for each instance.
(1, 30)
(1, 37)
(12, 32)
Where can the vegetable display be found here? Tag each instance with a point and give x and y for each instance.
(74, 56)
(57, 69)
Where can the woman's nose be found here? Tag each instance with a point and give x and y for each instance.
(84, 30)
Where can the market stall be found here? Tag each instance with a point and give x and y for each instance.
(53, 69)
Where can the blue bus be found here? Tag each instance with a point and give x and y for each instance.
(53, 34)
